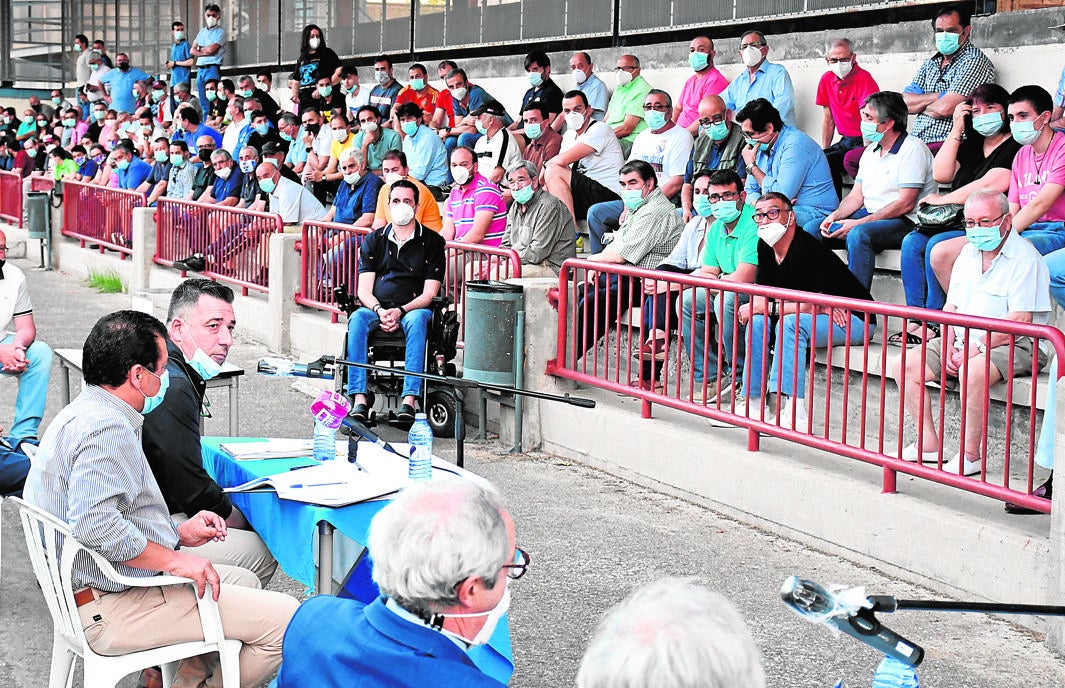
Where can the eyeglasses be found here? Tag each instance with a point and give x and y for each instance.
(772, 214)
(656, 108)
(969, 224)
(837, 60)
(714, 198)
(750, 45)
(521, 563)
(630, 70)
(716, 119)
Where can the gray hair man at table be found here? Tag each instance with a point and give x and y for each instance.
(443, 554)
(91, 472)
(673, 632)
(200, 325)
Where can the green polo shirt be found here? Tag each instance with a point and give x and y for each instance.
(726, 251)
(628, 100)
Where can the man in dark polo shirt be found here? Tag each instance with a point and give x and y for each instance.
(401, 268)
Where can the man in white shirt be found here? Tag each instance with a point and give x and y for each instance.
(497, 149)
(293, 202)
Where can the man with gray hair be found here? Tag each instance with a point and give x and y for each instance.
(539, 226)
(443, 554)
(841, 92)
(673, 632)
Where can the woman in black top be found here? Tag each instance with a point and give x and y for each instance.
(976, 155)
(315, 61)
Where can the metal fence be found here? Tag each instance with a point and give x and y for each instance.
(856, 404)
(11, 197)
(100, 216)
(235, 242)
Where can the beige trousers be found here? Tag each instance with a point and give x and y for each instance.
(243, 548)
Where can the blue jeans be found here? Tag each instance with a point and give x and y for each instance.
(918, 279)
(1047, 237)
(693, 308)
(787, 371)
(416, 328)
(1056, 266)
(14, 466)
(602, 218)
(810, 218)
(32, 390)
(866, 240)
(203, 75)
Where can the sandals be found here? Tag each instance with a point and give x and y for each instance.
(913, 338)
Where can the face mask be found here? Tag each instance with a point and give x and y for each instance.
(622, 77)
(702, 205)
(223, 173)
(536, 78)
(340, 135)
(41, 124)
(718, 130)
(347, 89)
(410, 128)
(98, 159)
(461, 175)
(870, 133)
(392, 177)
(523, 195)
(417, 84)
(402, 214)
(771, 232)
(533, 131)
(459, 93)
(126, 126)
(698, 61)
(69, 123)
(79, 160)
(211, 95)
(211, 22)
(179, 35)
(247, 166)
(123, 66)
(161, 156)
(946, 42)
(984, 238)
(492, 618)
(57, 101)
(204, 365)
(579, 76)
(109, 123)
(481, 129)
(381, 77)
(325, 91)
(751, 55)
(152, 402)
(655, 120)
(177, 160)
(77, 48)
(158, 94)
(842, 69)
(122, 164)
(1024, 133)
(32, 152)
(314, 43)
(574, 120)
(262, 129)
(351, 178)
(988, 123)
(267, 185)
(284, 136)
(632, 198)
(247, 93)
(94, 66)
(369, 127)
(204, 155)
(726, 211)
(98, 114)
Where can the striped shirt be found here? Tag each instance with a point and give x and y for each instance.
(465, 202)
(91, 472)
(648, 234)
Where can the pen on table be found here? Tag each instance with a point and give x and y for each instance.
(339, 482)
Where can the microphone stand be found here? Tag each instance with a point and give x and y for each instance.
(326, 366)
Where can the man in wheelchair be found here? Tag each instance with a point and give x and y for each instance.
(401, 268)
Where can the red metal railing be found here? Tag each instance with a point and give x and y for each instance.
(329, 258)
(11, 197)
(234, 242)
(859, 412)
(41, 183)
(100, 215)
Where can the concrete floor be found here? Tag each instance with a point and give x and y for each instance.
(592, 538)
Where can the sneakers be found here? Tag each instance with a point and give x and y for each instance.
(909, 453)
(197, 262)
(740, 410)
(711, 392)
(796, 406)
(970, 467)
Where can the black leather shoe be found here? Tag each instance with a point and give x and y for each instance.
(194, 263)
(359, 412)
(405, 414)
(1045, 491)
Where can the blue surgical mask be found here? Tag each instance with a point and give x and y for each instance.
(632, 198)
(204, 365)
(411, 128)
(1024, 133)
(535, 79)
(523, 195)
(417, 84)
(946, 42)
(655, 119)
(726, 211)
(698, 61)
(988, 123)
(702, 205)
(267, 185)
(984, 238)
(152, 402)
(718, 130)
(262, 129)
(285, 137)
(533, 131)
(870, 132)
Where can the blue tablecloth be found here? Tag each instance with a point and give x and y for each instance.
(288, 529)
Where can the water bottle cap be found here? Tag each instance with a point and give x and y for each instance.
(419, 416)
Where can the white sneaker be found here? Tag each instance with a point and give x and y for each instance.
(798, 407)
(970, 468)
(740, 410)
(909, 453)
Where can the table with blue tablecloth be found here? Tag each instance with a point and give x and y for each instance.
(288, 528)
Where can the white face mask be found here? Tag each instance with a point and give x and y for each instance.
(340, 135)
(751, 55)
(842, 69)
(314, 43)
(369, 127)
(574, 120)
(492, 618)
(211, 22)
(461, 175)
(392, 177)
(351, 178)
(402, 214)
(459, 93)
(771, 232)
(222, 172)
(622, 77)
(579, 76)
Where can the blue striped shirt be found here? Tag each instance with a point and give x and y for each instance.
(91, 472)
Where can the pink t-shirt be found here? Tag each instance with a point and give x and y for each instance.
(707, 83)
(464, 204)
(844, 98)
(1031, 172)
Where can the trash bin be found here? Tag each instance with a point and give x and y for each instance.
(490, 326)
(37, 215)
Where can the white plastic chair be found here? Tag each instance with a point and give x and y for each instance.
(45, 535)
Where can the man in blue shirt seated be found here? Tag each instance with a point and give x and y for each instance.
(356, 200)
(132, 171)
(443, 553)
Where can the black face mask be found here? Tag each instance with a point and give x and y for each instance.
(124, 66)
(2, 262)
(205, 155)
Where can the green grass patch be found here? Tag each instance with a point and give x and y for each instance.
(107, 282)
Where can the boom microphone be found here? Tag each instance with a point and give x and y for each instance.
(368, 435)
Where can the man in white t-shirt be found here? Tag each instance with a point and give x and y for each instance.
(293, 202)
(94, 91)
(663, 145)
(21, 353)
(497, 149)
(595, 149)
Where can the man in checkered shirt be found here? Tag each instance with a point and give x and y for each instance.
(650, 228)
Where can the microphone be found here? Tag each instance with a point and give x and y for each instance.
(280, 367)
(850, 611)
(368, 435)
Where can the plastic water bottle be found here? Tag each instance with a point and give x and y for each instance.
(328, 410)
(891, 673)
(421, 449)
